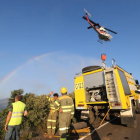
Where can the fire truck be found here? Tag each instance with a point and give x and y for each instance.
(100, 88)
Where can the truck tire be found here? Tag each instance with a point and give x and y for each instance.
(90, 68)
(138, 110)
(137, 106)
(91, 117)
(77, 115)
(134, 125)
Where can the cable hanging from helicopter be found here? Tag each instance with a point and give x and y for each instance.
(102, 34)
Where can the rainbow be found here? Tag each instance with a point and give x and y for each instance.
(5, 79)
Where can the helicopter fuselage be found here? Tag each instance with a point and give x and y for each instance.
(102, 33)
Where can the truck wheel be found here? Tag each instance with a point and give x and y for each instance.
(137, 106)
(77, 115)
(91, 117)
(138, 110)
(134, 124)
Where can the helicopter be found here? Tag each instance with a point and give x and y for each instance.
(102, 33)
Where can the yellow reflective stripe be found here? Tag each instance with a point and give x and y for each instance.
(51, 127)
(68, 110)
(64, 128)
(65, 106)
(48, 98)
(16, 116)
(57, 103)
(52, 107)
(72, 112)
(49, 120)
(72, 105)
(17, 112)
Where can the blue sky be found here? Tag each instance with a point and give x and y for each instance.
(29, 28)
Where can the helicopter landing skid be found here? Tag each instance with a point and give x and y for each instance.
(100, 41)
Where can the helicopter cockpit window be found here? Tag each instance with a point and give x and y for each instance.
(103, 30)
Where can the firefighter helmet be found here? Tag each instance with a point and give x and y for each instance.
(63, 90)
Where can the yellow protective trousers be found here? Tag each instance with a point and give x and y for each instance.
(64, 124)
(51, 122)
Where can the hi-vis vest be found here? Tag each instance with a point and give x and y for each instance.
(17, 114)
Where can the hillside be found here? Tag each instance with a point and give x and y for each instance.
(3, 103)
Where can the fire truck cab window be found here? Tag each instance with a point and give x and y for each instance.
(124, 83)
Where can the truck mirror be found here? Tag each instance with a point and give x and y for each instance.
(137, 82)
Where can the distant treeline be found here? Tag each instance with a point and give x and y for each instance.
(3, 103)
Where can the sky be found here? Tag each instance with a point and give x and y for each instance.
(43, 43)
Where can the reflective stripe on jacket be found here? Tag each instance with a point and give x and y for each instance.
(17, 114)
(66, 103)
(54, 105)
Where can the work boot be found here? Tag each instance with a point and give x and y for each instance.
(68, 137)
(45, 135)
(51, 136)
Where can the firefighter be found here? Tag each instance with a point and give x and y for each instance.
(66, 113)
(51, 120)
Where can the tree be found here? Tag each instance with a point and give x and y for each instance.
(72, 95)
(3, 115)
(13, 95)
(35, 122)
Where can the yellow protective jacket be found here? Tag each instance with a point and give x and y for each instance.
(17, 113)
(66, 103)
(54, 105)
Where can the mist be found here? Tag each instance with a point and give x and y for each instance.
(48, 73)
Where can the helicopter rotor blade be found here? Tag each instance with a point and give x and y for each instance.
(95, 24)
(87, 12)
(89, 27)
(111, 31)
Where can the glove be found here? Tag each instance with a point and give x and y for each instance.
(71, 117)
(61, 110)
